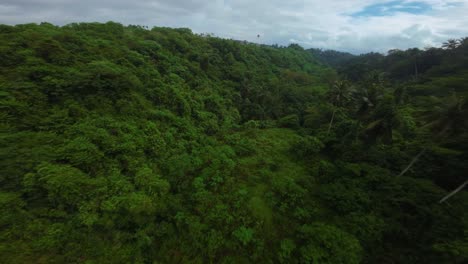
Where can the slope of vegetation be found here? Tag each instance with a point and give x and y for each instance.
(332, 57)
(128, 145)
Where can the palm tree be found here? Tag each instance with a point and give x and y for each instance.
(451, 44)
(447, 120)
(339, 95)
(413, 161)
(370, 93)
(463, 41)
(372, 109)
(384, 120)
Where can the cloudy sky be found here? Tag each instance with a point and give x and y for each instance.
(356, 26)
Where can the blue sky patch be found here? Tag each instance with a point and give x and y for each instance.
(390, 8)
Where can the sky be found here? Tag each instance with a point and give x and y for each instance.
(356, 26)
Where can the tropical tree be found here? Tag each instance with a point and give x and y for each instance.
(451, 44)
(383, 120)
(447, 120)
(338, 95)
(370, 93)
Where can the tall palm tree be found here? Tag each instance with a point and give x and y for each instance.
(444, 121)
(370, 93)
(383, 120)
(372, 109)
(339, 95)
(451, 44)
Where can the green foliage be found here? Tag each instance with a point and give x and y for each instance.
(121, 144)
(328, 244)
(290, 121)
(286, 248)
(308, 146)
(244, 235)
(63, 184)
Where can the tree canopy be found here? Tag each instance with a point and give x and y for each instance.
(122, 144)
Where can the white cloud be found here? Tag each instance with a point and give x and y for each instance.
(313, 23)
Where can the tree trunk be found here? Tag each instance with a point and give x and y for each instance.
(412, 162)
(459, 188)
(416, 70)
(438, 136)
(331, 121)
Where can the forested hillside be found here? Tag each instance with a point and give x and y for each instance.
(332, 58)
(122, 144)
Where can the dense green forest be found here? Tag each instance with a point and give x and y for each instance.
(122, 144)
